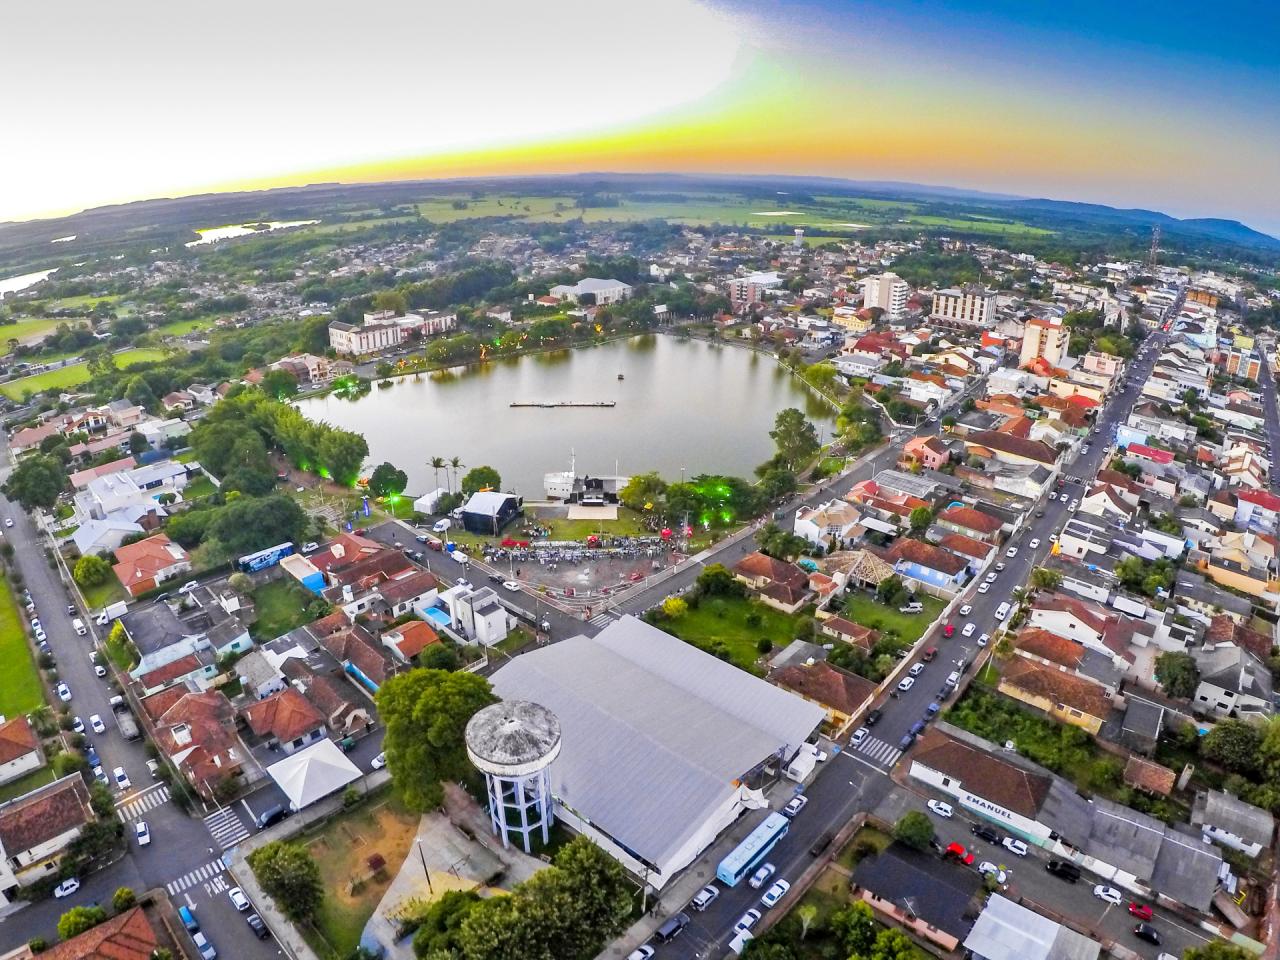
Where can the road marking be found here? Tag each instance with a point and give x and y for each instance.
(192, 877)
(147, 801)
(880, 751)
(226, 827)
(190, 903)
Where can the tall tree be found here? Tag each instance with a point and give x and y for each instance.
(386, 480)
(438, 464)
(341, 452)
(426, 714)
(481, 478)
(455, 464)
(79, 919)
(289, 875)
(914, 829)
(36, 481)
(795, 438)
(1177, 673)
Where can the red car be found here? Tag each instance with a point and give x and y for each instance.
(1140, 910)
(948, 630)
(960, 853)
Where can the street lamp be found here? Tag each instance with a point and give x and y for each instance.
(423, 857)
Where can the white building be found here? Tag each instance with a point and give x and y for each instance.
(604, 291)
(888, 291)
(971, 306)
(1047, 339)
(384, 330)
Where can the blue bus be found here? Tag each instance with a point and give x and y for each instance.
(746, 856)
(264, 558)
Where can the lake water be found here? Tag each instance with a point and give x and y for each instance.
(688, 404)
(214, 234)
(14, 284)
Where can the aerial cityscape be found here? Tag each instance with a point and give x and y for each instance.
(681, 482)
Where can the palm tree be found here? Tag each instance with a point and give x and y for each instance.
(455, 464)
(437, 464)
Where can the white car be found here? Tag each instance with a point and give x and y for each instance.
(1011, 552)
(906, 683)
(966, 610)
(747, 921)
(41, 635)
(969, 629)
(64, 692)
(941, 809)
(121, 778)
(1015, 846)
(858, 736)
(189, 586)
(77, 725)
(379, 761)
(1109, 894)
(916, 669)
(1035, 542)
(984, 587)
(761, 876)
(1000, 566)
(8, 521)
(238, 898)
(143, 833)
(775, 893)
(987, 867)
(66, 888)
(98, 726)
(991, 577)
(1074, 504)
(310, 547)
(511, 585)
(795, 805)
(641, 953)
(984, 640)
(1053, 494)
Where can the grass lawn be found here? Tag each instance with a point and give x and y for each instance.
(201, 486)
(20, 690)
(867, 610)
(722, 622)
(341, 848)
(186, 456)
(281, 606)
(180, 327)
(628, 524)
(120, 653)
(83, 302)
(104, 593)
(852, 853)
(73, 375)
(29, 330)
(34, 779)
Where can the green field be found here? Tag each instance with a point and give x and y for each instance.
(30, 330)
(910, 627)
(180, 327)
(989, 225)
(20, 690)
(104, 593)
(73, 375)
(281, 606)
(722, 621)
(85, 302)
(25, 784)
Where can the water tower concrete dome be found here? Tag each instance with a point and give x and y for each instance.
(513, 738)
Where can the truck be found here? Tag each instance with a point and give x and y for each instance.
(112, 611)
(124, 720)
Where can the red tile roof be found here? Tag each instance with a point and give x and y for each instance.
(926, 555)
(128, 936)
(758, 565)
(17, 739)
(1014, 446)
(1148, 776)
(1051, 647)
(414, 637)
(828, 685)
(1150, 453)
(1261, 498)
(958, 543)
(982, 773)
(170, 671)
(44, 814)
(140, 562)
(850, 632)
(971, 519)
(286, 716)
(1058, 687)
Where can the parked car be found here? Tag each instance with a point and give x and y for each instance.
(121, 778)
(761, 876)
(1011, 552)
(795, 805)
(257, 926)
(747, 921)
(940, 808)
(143, 833)
(818, 846)
(775, 893)
(958, 851)
(873, 717)
(966, 610)
(991, 577)
(984, 587)
(204, 946)
(1000, 566)
(1140, 910)
(511, 585)
(984, 639)
(96, 723)
(1015, 846)
(1145, 931)
(1109, 894)
(641, 953)
(948, 631)
(238, 899)
(858, 736)
(1035, 542)
(969, 629)
(987, 867)
(906, 683)
(1063, 870)
(379, 761)
(153, 767)
(705, 897)
(64, 692)
(77, 725)
(66, 888)
(916, 669)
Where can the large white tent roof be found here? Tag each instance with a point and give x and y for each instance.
(313, 773)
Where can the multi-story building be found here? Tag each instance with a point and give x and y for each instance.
(1241, 363)
(384, 330)
(970, 305)
(744, 291)
(1044, 338)
(888, 291)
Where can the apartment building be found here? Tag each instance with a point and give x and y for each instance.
(888, 291)
(971, 305)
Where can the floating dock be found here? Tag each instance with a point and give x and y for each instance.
(548, 404)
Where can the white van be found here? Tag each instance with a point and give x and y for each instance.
(79, 627)
(460, 557)
(1002, 611)
(441, 526)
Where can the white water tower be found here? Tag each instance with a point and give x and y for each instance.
(513, 744)
(798, 242)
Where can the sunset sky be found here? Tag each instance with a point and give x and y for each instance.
(1168, 105)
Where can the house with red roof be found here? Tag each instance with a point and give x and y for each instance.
(781, 585)
(36, 828)
(1140, 451)
(20, 751)
(974, 552)
(971, 523)
(408, 640)
(144, 565)
(929, 452)
(1107, 632)
(928, 565)
(1257, 510)
(1004, 448)
(287, 718)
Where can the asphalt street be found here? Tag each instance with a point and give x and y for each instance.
(1272, 422)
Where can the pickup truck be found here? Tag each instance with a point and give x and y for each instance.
(124, 720)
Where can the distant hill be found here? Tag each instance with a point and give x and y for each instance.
(1227, 231)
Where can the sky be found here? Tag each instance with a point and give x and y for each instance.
(1131, 103)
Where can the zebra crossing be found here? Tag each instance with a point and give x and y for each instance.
(601, 620)
(226, 827)
(149, 799)
(210, 873)
(885, 754)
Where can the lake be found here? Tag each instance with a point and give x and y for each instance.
(703, 407)
(15, 284)
(214, 234)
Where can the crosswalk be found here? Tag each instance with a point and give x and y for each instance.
(885, 754)
(149, 799)
(210, 874)
(601, 620)
(226, 827)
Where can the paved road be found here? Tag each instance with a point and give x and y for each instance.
(1272, 422)
(179, 849)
